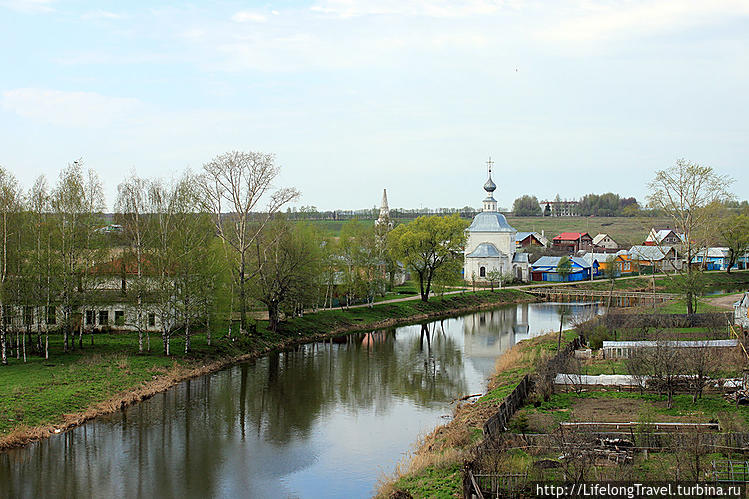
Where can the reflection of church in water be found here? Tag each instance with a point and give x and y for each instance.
(490, 333)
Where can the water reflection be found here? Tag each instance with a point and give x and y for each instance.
(322, 420)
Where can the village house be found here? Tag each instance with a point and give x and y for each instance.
(525, 239)
(572, 242)
(619, 261)
(718, 259)
(668, 237)
(605, 241)
(546, 268)
(655, 258)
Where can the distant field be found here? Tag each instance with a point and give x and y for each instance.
(625, 230)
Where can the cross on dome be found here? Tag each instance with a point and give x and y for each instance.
(490, 186)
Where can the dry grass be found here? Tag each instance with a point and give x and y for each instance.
(452, 442)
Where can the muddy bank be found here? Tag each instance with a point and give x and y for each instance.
(24, 435)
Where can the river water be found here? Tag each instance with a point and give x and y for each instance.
(326, 419)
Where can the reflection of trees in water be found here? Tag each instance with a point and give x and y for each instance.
(250, 423)
(289, 391)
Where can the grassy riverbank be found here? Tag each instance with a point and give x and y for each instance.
(434, 469)
(713, 280)
(41, 397)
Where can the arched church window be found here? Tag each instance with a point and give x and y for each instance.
(482, 272)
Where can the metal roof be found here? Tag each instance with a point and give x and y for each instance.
(651, 344)
(490, 221)
(485, 250)
(520, 257)
(654, 253)
(553, 262)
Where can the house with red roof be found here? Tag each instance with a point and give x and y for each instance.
(572, 242)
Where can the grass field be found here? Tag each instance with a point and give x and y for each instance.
(627, 231)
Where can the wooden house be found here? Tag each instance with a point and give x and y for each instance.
(572, 242)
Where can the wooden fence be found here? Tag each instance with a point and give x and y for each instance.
(496, 426)
(711, 319)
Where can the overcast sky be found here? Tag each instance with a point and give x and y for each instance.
(354, 96)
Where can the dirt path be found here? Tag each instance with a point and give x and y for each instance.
(724, 301)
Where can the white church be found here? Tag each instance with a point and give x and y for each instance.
(491, 243)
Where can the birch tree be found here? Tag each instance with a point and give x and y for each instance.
(10, 201)
(234, 185)
(68, 208)
(131, 206)
(688, 194)
(40, 260)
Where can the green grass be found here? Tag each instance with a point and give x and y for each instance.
(680, 307)
(711, 407)
(713, 280)
(39, 392)
(626, 231)
(444, 482)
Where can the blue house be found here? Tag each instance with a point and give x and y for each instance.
(545, 269)
(718, 259)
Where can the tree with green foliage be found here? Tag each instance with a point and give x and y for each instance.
(10, 205)
(40, 258)
(426, 244)
(287, 259)
(526, 206)
(689, 193)
(77, 201)
(131, 212)
(734, 232)
(234, 185)
(564, 267)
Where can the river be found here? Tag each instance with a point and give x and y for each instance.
(326, 419)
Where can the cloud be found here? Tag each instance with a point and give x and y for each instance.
(30, 6)
(78, 109)
(624, 19)
(247, 16)
(425, 8)
(101, 14)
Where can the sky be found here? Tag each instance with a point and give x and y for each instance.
(353, 96)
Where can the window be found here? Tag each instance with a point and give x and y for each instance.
(51, 316)
(482, 272)
(151, 319)
(119, 318)
(89, 317)
(103, 317)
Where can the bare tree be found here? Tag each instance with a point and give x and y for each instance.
(699, 365)
(666, 369)
(234, 184)
(688, 194)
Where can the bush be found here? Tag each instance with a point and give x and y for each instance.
(597, 336)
